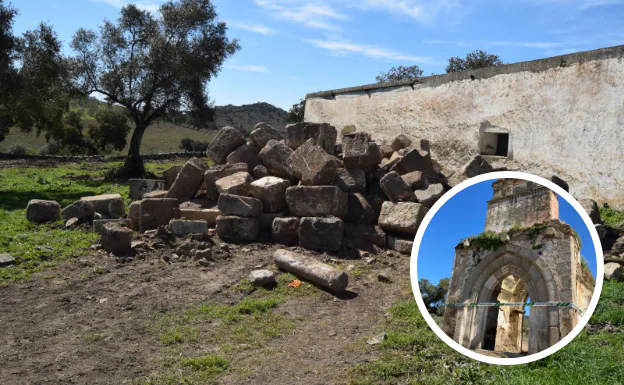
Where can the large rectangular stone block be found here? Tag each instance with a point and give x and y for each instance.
(403, 217)
(212, 175)
(107, 204)
(182, 227)
(226, 141)
(321, 233)
(188, 180)
(275, 156)
(312, 165)
(209, 215)
(316, 201)
(271, 190)
(237, 229)
(157, 212)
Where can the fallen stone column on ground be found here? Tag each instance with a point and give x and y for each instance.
(308, 268)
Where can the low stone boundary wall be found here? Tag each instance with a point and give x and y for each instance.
(102, 158)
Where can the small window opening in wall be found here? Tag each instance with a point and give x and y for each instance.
(496, 144)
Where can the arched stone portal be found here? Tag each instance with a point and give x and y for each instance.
(530, 259)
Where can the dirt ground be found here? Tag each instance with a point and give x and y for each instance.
(47, 321)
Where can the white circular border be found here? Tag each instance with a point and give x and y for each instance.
(599, 265)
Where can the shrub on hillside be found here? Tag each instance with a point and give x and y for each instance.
(18, 150)
(191, 145)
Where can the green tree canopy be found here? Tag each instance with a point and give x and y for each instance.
(473, 60)
(399, 73)
(296, 113)
(433, 296)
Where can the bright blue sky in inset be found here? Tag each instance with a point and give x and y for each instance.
(294, 47)
(464, 215)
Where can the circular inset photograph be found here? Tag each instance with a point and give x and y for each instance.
(507, 268)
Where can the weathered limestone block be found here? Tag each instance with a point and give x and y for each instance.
(395, 188)
(107, 204)
(188, 181)
(265, 221)
(368, 233)
(264, 278)
(414, 160)
(401, 142)
(98, 224)
(157, 212)
(591, 207)
(477, 166)
(134, 215)
(386, 149)
(115, 238)
(613, 271)
(386, 165)
(402, 217)
(285, 231)
(6, 259)
(415, 179)
(560, 182)
(275, 157)
(312, 165)
(316, 201)
(321, 233)
(212, 175)
(403, 246)
(359, 210)
(350, 180)
(237, 229)
(226, 141)
(239, 205)
(247, 154)
(138, 187)
(324, 135)
(155, 194)
(260, 172)
(82, 209)
(209, 215)
(429, 196)
(271, 191)
(170, 175)
(262, 133)
(376, 197)
(305, 267)
(40, 211)
(235, 184)
(359, 151)
(182, 227)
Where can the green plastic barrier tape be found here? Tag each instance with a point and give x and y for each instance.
(530, 304)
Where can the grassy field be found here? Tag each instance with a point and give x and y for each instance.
(158, 138)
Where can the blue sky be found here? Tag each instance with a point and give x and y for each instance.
(293, 47)
(464, 215)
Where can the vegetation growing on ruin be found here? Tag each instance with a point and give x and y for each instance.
(611, 217)
(587, 274)
(487, 240)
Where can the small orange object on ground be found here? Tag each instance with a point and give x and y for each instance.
(296, 283)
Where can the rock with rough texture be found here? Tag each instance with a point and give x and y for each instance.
(40, 211)
(209, 215)
(111, 205)
(237, 229)
(265, 221)
(285, 231)
(212, 175)
(312, 165)
(239, 205)
(402, 217)
(98, 224)
(386, 149)
(134, 215)
(395, 188)
(170, 175)
(560, 182)
(157, 212)
(402, 245)
(138, 187)
(275, 157)
(321, 233)
(72, 222)
(316, 201)
(264, 278)
(401, 142)
(235, 184)
(271, 191)
(262, 133)
(116, 238)
(359, 210)
(6, 259)
(82, 209)
(226, 141)
(368, 233)
(247, 154)
(359, 151)
(477, 166)
(591, 207)
(350, 180)
(188, 181)
(415, 160)
(260, 172)
(155, 194)
(613, 271)
(182, 227)
(310, 269)
(324, 135)
(429, 196)
(415, 179)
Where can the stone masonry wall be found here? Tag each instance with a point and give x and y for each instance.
(564, 115)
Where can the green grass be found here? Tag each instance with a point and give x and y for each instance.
(413, 354)
(202, 369)
(30, 243)
(612, 217)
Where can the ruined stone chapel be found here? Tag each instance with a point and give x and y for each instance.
(525, 254)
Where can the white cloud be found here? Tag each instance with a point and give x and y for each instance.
(341, 48)
(250, 68)
(585, 4)
(256, 28)
(151, 5)
(318, 16)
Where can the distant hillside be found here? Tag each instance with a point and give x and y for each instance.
(245, 117)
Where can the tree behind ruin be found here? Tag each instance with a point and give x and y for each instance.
(475, 59)
(156, 68)
(399, 73)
